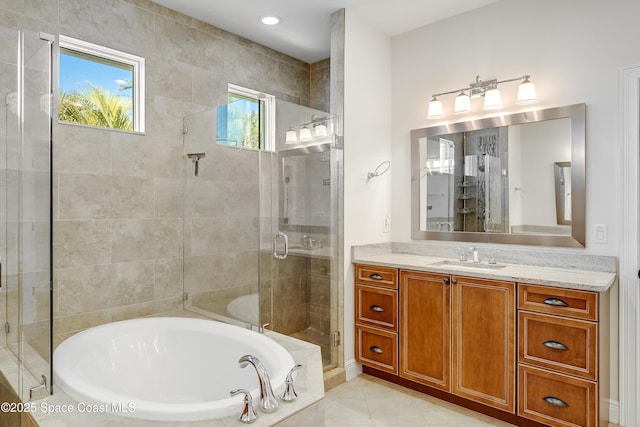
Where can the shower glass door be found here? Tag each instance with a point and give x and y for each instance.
(25, 206)
(221, 230)
(299, 212)
(240, 206)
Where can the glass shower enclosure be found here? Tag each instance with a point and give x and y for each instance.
(25, 212)
(261, 227)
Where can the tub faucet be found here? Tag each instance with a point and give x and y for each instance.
(268, 401)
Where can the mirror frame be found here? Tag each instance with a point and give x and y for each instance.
(577, 114)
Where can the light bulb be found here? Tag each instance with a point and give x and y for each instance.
(435, 109)
(290, 136)
(320, 131)
(463, 103)
(492, 99)
(526, 92)
(305, 134)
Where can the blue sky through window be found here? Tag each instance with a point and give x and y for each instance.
(76, 71)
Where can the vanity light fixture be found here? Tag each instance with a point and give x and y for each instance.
(270, 19)
(489, 90)
(318, 129)
(291, 137)
(305, 134)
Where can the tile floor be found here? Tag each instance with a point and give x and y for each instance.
(369, 401)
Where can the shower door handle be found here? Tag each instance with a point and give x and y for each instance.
(284, 254)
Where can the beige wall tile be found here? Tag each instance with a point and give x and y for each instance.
(86, 19)
(81, 243)
(88, 289)
(143, 156)
(204, 199)
(203, 273)
(80, 149)
(241, 200)
(84, 196)
(145, 239)
(131, 197)
(168, 197)
(168, 78)
(168, 280)
(184, 43)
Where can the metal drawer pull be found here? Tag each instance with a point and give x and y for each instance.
(555, 345)
(376, 349)
(375, 276)
(556, 302)
(551, 400)
(376, 308)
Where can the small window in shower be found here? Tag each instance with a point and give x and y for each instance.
(100, 86)
(247, 120)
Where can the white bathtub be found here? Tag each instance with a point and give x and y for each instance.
(165, 368)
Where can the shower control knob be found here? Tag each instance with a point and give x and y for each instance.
(289, 392)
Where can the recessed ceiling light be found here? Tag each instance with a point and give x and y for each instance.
(270, 19)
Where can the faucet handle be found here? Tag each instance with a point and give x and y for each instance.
(290, 394)
(461, 254)
(492, 257)
(248, 414)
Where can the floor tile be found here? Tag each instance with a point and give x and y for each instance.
(372, 402)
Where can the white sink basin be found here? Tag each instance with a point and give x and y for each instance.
(469, 265)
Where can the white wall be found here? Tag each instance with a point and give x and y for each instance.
(367, 133)
(574, 51)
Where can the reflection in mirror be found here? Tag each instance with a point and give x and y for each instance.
(504, 179)
(562, 178)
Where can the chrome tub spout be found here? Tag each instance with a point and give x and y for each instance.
(268, 401)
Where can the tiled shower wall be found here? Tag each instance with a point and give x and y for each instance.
(118, 197)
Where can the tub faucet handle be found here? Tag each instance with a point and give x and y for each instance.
(268, 401)
(289, 392)
(248, 414)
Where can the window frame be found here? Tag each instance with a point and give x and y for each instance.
(269, 113)
(137, 62)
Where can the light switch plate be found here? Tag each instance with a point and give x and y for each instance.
(600, 233)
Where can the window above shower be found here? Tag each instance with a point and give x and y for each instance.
(247, 120)
(100, 87)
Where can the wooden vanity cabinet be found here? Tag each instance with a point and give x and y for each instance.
(527, 354)
(457, 334)
(558, 356)
(425, 328)
(483, 359)
(376, 311)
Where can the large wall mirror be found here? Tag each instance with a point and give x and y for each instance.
(518, 179)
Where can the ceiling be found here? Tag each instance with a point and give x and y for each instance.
(304, 32)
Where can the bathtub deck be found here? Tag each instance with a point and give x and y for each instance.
(309, 386)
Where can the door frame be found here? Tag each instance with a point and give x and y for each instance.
(629, 294)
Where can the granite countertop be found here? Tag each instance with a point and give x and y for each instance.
(596, 281)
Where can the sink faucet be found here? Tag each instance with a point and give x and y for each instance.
(268, 401)
(475, 256)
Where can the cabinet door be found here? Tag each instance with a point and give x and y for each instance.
(483, 360)
(425, 335)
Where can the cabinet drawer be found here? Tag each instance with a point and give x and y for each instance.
(558, 343)
(561, 302)
(377, 276)
(556, 399)
(377, 306)
(377, 348)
